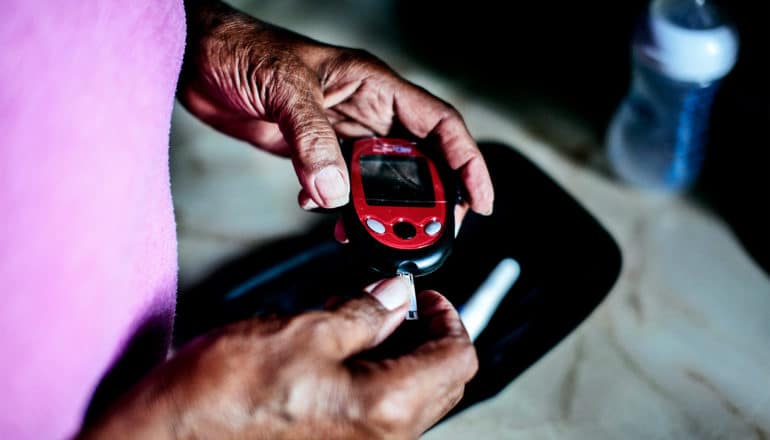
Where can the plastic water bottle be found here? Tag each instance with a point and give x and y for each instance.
(680, 52)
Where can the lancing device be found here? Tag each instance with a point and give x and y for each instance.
(400, 218)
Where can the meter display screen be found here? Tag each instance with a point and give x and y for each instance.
(396, 181)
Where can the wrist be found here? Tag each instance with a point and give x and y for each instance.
(213, 26)
(146, 412)
(201, 14)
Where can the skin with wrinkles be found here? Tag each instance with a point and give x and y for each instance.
(294, 96)
(301, 377)
(308, 376)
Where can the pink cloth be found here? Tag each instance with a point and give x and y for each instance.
(87, 234)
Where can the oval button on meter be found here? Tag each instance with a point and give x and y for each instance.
(375, 226)
(433, 228)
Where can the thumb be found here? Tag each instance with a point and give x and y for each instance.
(364, 322)
(314, 148)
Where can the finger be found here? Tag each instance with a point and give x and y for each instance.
(431, 378)
(362, 323)
(368, 111)
(305, 201)
(423, 114)
(446, 359)
(339, 232)
(315, 151)
(350, 129)
(440, 406)
(262, 134)
(444, 324)
(346, 126)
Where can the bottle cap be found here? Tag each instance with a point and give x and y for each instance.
(691, 54)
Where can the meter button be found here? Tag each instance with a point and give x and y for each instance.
(433, 228)
(405, 230)
(375, 226)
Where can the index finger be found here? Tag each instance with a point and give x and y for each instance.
(445, 356)
(424, 114)
(361, 323)
(420, 387)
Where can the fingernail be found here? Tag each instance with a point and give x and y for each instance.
(331, 186)
(491, 197)
(392, 293)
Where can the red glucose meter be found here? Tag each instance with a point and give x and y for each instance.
(401, 212)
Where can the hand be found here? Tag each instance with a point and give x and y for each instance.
(293, 96)
(304, 377)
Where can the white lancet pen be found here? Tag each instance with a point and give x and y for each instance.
(481, 306)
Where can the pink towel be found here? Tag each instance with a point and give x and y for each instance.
(87, 234)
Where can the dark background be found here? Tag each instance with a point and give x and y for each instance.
(575, 57)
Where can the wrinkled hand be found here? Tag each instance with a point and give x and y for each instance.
(303, 377)
(293, 96)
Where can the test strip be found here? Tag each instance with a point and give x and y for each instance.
(411, 314)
